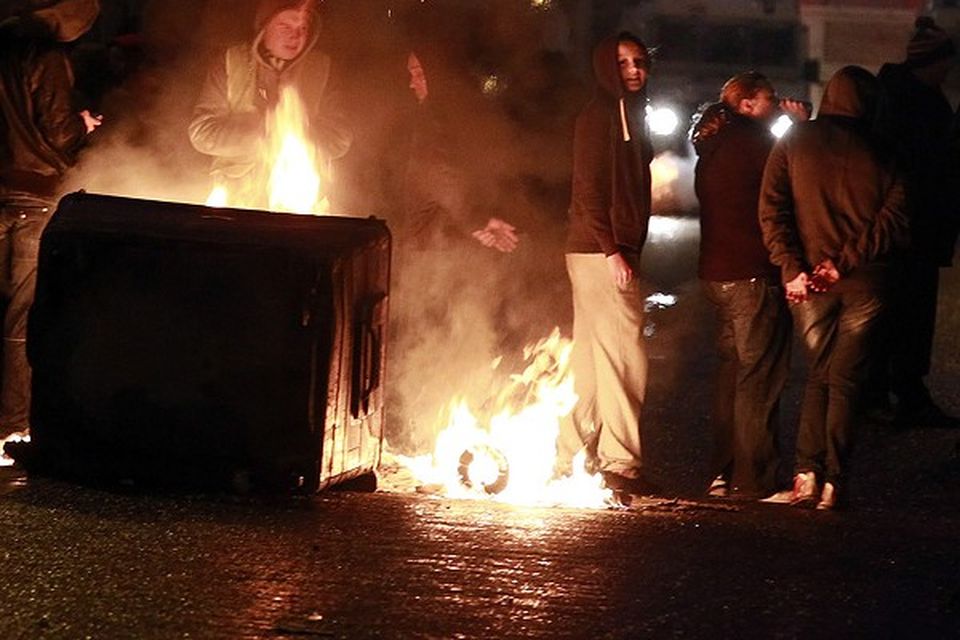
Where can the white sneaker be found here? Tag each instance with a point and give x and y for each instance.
(719, 488)
(804, 488)
(780, 497)
(828, 499)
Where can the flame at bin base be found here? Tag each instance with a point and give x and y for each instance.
(513, 457)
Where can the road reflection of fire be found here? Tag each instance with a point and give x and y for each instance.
(293, 180)
(511, 458)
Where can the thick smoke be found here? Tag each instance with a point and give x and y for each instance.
(456, 306)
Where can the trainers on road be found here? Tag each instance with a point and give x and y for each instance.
(828, 499)
(780, 497)
(804, 488)
(719, 488)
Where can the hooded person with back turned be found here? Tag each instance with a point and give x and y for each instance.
(833, 213)
(609, 214)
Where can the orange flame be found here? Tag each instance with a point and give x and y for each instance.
(512, 459)
(292, 182)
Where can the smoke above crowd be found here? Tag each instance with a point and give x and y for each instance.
(514, 88)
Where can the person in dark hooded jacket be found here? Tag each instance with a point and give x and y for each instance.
(229, 119)
(609, 214)
(438, 201)
(832, 212)
(916, 120)
(733, 139)
(41, 133)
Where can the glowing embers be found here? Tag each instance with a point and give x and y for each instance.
(513, 456)
(290, 179)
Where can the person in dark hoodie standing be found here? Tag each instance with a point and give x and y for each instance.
(832, 212)
(229, 119)
(916, 121)
(41, 133)
(609, 214)
(733, 139)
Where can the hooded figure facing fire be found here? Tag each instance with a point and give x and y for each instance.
(41, 133)
(229, 120)
(609, 214)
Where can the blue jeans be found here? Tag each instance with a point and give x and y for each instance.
(754, 347)
(20, 229)
(837, 329)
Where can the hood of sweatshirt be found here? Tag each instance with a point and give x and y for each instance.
(606, 70)
(710, 120)
(606, 67)
(852, 92)
(69, 19)
(266, 9)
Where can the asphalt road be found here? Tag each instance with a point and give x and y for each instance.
(83, 562)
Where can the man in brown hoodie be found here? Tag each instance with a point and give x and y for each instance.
(832, 212)
(609, 213)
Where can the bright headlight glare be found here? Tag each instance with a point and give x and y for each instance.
(663, 121)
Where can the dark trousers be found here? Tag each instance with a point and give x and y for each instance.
(913, 314)
(837, 329)
(754, 348)
(20, 229)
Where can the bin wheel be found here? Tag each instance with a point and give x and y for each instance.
(365, 483)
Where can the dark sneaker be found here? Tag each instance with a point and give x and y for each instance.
(638, 486)
(927, 415)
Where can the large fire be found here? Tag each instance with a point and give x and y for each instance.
(293, 180)
(512, 457)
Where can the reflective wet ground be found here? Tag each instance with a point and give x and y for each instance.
(78, 562)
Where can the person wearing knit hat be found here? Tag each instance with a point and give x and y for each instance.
(915, 120)
(41, 133)
(243, 85)
(929, 44)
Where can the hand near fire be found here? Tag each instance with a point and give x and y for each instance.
(90, 121)
(499, 235)
(825, 275)
(620, 270)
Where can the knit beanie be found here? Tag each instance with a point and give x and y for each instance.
(929, 43)
(266, 9)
